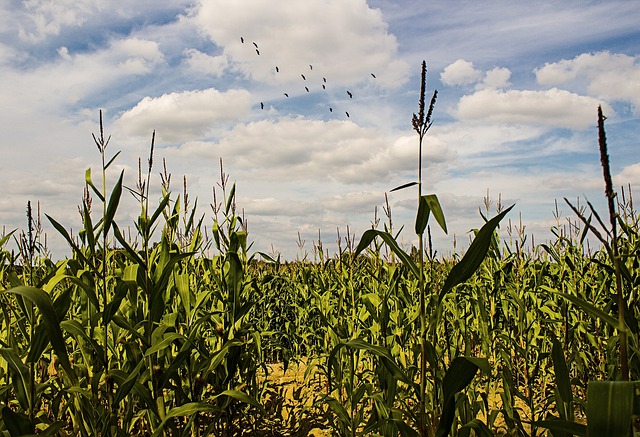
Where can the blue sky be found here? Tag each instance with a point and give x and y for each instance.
(519, 84)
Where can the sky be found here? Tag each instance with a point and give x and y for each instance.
(309, 105)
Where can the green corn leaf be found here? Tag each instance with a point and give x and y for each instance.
(17, 424)
(401, 187)
(610, 408)
(387, 360)
(114, 201)
(557, 425)
(62, 231)
(230, 199)
(191, 408)
(131, 253)
(371, 234)
(44, 304)
(125, 386)
(165, 342)
(4, 239)
(479, 428)
(422, 218)
(458, 376)
(88, 229)
(563, 380)
(592, 310)
(159, 209)
(87, 178)
(74, 328)
(19, 376)
(338, 409)
(106, 166)
(436, 210)
(429, 204)
(474, 256)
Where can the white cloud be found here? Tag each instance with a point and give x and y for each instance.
(206, 64)
(71, 77)
(609, 76)
(460, 72)
(344, 41)
(553, 107)
(182, 116)
(496, 78)
(49, 17)
(629, 175)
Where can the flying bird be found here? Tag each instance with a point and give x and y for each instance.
(373, 75)
(346, 113)
(258, 52)
(324, 87)
(350, 95)
(303, 78)
(330, 109)
(255, 45)
(310, 67)
(277, 69)
(324, 79)
(306, 88)
(242, 40)
(261, 105)
(286, 94)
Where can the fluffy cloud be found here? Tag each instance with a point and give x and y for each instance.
(608, 76)
(344, 41)
(49, 17)
(553, 107)
(182, 116)
(629, 175)
(460, 72)
(203, 63)
(497, 78)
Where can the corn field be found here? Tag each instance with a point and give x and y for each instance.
(149, 335)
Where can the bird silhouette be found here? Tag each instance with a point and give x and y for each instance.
(324, 87)
(330, 109)
(347, 114)
(277, 69)
(373, 75)
(310, 67)
(261, 105)
(303, 78)
(255, 45)
(324, 79)
(242, 40)
(306, 88)
(258, 52)
(350, 95)
(286, 94)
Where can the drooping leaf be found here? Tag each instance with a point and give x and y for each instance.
(436, 210)
(458, 376)
(479, 428)
(41, 299)
(474, 256)
(87, 179)
(17, 424)
(558, 425)
(592, 310)
(401, 187)
(370, 235)
(19, 376)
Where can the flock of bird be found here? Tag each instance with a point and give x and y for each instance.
(304, 78)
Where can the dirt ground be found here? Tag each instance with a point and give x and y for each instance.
(289, 402)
